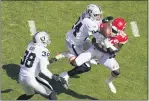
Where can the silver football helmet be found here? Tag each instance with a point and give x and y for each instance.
(94, 12)
(42, 38)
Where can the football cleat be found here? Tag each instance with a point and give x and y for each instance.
(66, 77)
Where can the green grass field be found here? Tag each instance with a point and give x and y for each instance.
(57, 18)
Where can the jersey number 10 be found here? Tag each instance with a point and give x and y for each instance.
(28, 59)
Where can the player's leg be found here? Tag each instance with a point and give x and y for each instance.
(40, 86)
(76, 70)
(87, 44)
(75, 50)
(70, 52)
(29, 91)
(80, 62)
(44, 88)
(81, 65)
(114, 68)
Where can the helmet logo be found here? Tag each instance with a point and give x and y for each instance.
(89, 11)
(42, 38)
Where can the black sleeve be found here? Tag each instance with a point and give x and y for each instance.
(52, 60)
(93, 40)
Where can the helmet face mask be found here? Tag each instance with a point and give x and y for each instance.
(114, 32)
(98, 16)
(42, 38)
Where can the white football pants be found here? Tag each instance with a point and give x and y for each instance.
(32, 84)
(76, 50)
(103, 58)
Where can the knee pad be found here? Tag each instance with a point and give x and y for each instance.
(115, 73)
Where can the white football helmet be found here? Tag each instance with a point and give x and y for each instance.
(94, 12)
(42, 38)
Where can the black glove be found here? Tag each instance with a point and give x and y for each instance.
(107, 19)
(52, 60)
(58, 79)
(93, 41)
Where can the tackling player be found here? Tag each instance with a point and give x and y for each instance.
(35, 61)
(87, 25)
(77, 40)
(103, 49)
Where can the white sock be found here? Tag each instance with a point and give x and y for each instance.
(110, 79)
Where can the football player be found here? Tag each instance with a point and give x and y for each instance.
(104, 49)
(78, 39)
(84, 27)
(35, 61)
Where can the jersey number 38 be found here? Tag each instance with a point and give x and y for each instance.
(28, 59)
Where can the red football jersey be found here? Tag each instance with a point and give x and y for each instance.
(121, 38)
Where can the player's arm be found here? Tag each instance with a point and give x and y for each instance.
(92, 28)
(105, 46)
(57, 57)
(43, 67)
(52, 60)
(123, 39)
(44, 70)
(118, 46)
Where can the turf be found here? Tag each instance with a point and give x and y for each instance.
(57, 17)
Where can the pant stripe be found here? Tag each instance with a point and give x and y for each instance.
(44, 84)
(74, 50)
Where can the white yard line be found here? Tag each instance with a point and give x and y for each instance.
(32, 27)
(134, 27)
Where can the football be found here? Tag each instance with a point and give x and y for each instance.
(105, 29)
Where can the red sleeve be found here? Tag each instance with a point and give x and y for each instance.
(123, 38)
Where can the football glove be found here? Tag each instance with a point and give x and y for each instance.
(59, 79)
(52, 60)
(107, 19)
(57, 57)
